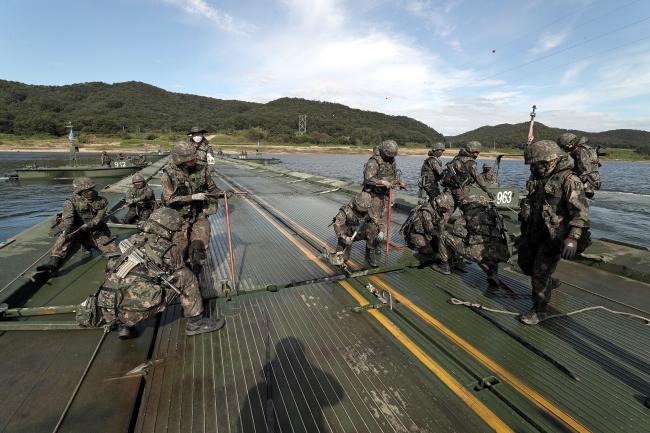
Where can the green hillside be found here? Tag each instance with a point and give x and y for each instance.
(101, 108)
(508, 135)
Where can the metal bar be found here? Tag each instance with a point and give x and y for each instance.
(39, 311)
(41, 326)
(230, 254)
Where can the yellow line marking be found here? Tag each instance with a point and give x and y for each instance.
(467, 397)
(514, 381)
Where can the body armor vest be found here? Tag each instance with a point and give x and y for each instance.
(86, 210)
(187, 184)
(387, 171)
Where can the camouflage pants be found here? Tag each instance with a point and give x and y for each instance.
(368, 233)
(98, 240)
(194, 238)
(426, 246)
(379, 209)
(136, 214)
(134, 308)
(538, 259)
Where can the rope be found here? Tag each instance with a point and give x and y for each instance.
(456, 301)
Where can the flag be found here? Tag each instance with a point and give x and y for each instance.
(71, 135)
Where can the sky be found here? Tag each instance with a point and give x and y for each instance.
(455, 65)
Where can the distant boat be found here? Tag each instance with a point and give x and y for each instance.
(117, 169)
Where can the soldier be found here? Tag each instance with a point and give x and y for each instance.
(479, 235)
(106, 159)
(554, 221)
(489, 175)
(585, 159)
(379, 176)
(431, 172)
(188, 187)
(461, 173)
(82, 222)
(424, 229)
(140, 199)
(204, 152)
(355, 217)
(132, 291)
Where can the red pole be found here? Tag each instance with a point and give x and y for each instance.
(390, 202)
(232, 260)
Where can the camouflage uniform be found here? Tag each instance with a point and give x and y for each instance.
(424, 229)
(180, 185)
(378, 171)
(132, 292)
(106, 159)
(461, 173)
(489, 175)
(554, 220)
(431, 171)
(479, 236)
(204, 152)
(586, 161)
(140, 200)
(351, 217)
(78, 211)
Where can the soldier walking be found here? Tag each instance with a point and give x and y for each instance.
(132, 291)
(187, 187)
(461, 173)
(140, 199)
(83, 223)
(379, 176)
(585, 159)
(204, 152)
(554, 221)
(424, 230)
(431, 172)
(353, 218)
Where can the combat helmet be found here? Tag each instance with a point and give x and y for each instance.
(542, 150)
(472, 146)
(80, 184)
(388, 148)
(196, 130)
(167, 218)
(183, 152)
(487, 165)
(438, 146)
(567, 140)
(137, 178)
(362, 201)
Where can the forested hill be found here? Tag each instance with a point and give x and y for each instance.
(515, 136)
(102, 108)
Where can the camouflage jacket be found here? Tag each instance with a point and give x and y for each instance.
(423, 219)
(142, 198)
(461, 173)
(178, 187)
(556, 204)
(202, 151)
(431, 173)
(347, 220)
(490, 177)
(376, 170)
(586, 165)
(78, 210)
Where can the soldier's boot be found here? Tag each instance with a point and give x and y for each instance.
(201, 324)
(554, 283)
(52, 266)
(442, 267)
(125, 332)
(372, 257)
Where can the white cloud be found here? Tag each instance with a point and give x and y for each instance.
(203, 9)
(436, 16)
(548, 41)
(573, 72)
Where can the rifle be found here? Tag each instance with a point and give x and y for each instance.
(136, 257)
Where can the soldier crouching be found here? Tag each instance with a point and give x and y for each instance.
(424, 229)
(353, 223)
(134, 292)
(479, 235)
(140, 199)
(82, 222)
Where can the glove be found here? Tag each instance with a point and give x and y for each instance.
(200, 196)
(229, 193)
(386, 183)
(381, 236)
(347, 240)
(570, 248)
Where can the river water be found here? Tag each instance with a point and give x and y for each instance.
(621, 211)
